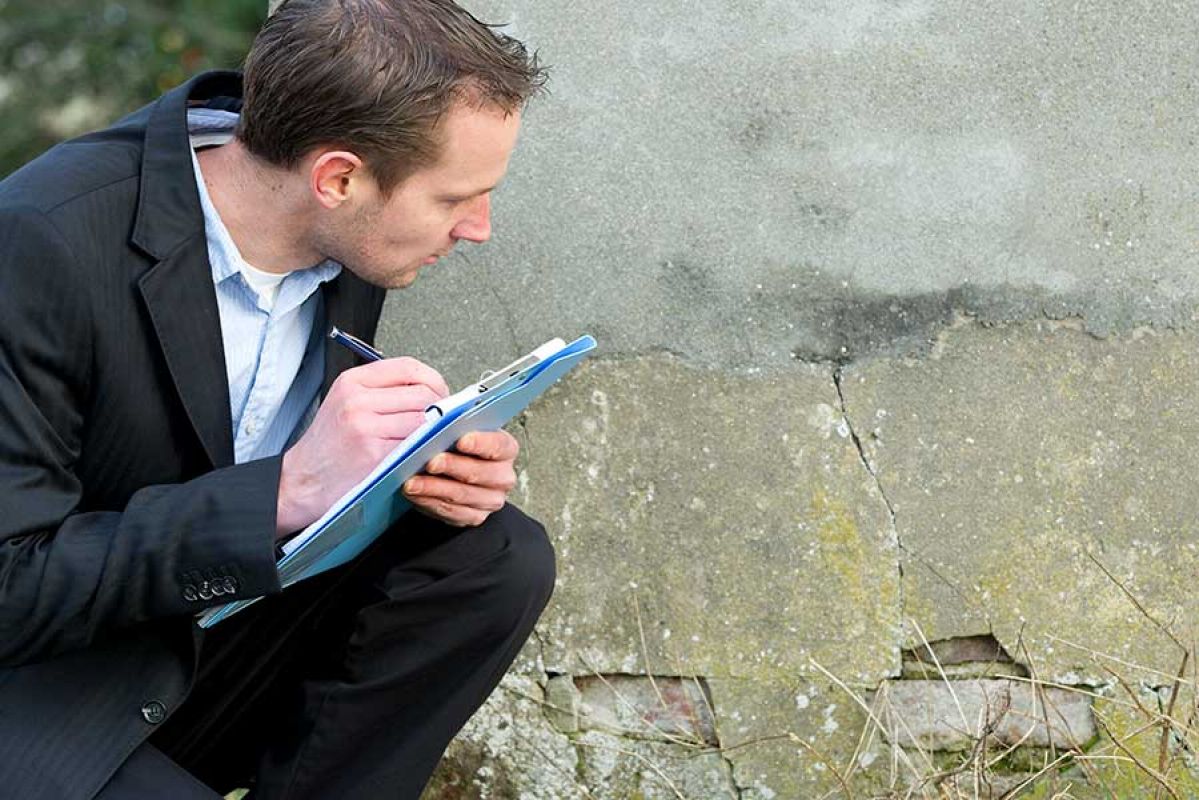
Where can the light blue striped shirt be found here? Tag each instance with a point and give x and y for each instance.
(273, 356)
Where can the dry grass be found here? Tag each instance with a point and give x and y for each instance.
(1147, 747)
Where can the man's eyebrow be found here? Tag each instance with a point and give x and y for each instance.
(468, 195)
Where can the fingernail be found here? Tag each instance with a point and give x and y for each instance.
(436, 464)
(412, 487)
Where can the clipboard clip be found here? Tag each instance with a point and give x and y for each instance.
(490, 383)
(502, 377)
(499, 379)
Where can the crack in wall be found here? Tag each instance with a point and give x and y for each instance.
(522, 422)
(738, 790)
(543, 675)
(838, 377)
(871, 468)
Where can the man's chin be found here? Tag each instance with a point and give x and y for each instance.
(403, 280)
(389, 280)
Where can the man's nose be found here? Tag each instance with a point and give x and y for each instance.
(476, 225)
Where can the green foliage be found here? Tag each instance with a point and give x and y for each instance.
(68, 66)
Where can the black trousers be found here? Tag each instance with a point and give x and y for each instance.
(351, 684)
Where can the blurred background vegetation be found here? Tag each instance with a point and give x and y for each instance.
(69, 66)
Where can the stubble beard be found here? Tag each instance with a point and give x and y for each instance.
(345, 244)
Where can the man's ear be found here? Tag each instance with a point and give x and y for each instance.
(334, 174)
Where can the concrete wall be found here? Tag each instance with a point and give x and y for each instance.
(893, 420)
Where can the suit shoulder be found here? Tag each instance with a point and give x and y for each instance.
(75, 169)
(40, 271)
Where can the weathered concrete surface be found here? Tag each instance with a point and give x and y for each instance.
(1019, 460)
(508, 750)
(616, 768)
(740, 181)
(511, 750)
(746, 186)
(709, 524)
(798, 739)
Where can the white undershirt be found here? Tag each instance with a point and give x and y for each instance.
(265, 284)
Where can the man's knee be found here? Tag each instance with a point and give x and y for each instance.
(499, 575)
(525, 575)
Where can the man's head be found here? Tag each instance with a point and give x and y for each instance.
(399, 114)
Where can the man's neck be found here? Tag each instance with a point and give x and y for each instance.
(258, 207)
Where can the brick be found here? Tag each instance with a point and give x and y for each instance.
(662, 708)
(953, 715)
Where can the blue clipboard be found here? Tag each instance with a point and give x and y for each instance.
(359, 517)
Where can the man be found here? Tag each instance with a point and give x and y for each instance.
(170, 410)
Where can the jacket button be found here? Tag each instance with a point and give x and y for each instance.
(154, 712)
(189, 593)
(205, 591)
(230, 584)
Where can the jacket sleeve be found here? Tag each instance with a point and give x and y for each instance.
(65, 576)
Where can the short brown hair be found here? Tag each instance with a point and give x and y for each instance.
(374, 77)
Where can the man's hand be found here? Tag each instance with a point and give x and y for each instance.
(462, 488)
(368, 411)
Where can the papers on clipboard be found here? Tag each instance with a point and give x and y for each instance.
(363, 513)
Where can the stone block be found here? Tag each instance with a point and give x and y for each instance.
(1018, 460)
(709, 524)
(662, 708)
(616, 768)
(955, 715)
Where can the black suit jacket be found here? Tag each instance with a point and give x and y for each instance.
(121, 512)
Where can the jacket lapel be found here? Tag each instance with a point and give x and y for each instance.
(182, 302)
(339, 311)
(178, 290)
(353, 305)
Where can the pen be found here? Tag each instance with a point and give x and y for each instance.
(355, 345)
(438, 409)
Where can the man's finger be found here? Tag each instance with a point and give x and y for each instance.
(453, 492)
(491, 445)
(456, 516)
(399, 399)
(397, 426)
(401, 371)
(473, 470)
